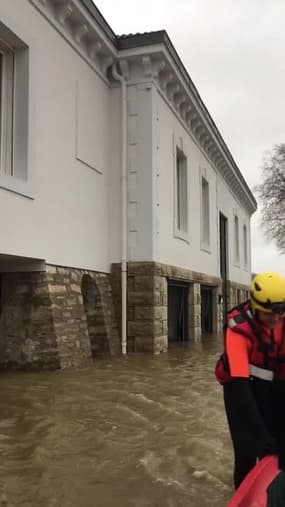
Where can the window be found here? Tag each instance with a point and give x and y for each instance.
(236, 234)
(245, 246)
(181, 193)
(6, 107)
(205, 214)
(14, 106)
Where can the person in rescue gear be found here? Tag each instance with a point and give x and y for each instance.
(252, 373)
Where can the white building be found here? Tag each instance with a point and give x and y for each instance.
(111, 170)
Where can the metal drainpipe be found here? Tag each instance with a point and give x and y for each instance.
(124, 209)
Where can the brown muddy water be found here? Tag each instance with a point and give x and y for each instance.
(132, 432)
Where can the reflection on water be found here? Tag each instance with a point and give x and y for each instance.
(134, 432)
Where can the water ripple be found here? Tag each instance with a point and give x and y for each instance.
(133, 432)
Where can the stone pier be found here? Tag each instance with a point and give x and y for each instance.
(57, 318)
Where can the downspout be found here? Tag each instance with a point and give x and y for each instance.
(124, 208)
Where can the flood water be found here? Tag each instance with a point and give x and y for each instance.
(141, 431)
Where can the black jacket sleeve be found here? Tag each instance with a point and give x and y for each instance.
(276, 491)
(243, 407)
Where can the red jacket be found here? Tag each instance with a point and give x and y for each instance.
(266, 351)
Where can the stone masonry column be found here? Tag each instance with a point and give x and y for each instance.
(147, 309)
(160, 314)
(194, 311)
(27, 334)
(70, 322)
(217, 311)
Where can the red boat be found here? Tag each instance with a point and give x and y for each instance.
(252, 491)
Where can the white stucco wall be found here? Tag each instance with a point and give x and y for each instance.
(140, 172)
(71, 111)
(170, 249)
(74, 215)
(152, 201)
(230, 207)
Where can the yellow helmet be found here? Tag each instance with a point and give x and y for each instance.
(267, 293)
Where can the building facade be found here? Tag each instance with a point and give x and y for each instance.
(125, 220)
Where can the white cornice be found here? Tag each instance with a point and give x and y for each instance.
(74, 23)
(152, 63)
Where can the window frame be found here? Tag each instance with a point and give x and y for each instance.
(205, 243)
(15, 175)
(236, 240)
(245, 247)
(7, 82)
(181, 199)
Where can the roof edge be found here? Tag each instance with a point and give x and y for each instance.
(161, 37)
(138, 40)
(99, 18)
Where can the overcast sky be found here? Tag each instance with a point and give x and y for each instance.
(234, 53)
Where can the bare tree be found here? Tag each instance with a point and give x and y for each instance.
(271, 193)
